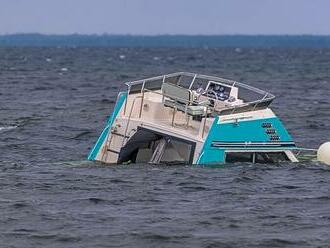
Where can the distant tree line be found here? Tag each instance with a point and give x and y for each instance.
(106, 40)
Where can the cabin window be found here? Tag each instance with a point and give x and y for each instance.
(244, 157)
(271, 157)
(177, 151)
(256, 157)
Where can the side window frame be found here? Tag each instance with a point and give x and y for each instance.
(254, 154)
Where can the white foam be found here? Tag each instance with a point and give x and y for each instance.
(7, 128)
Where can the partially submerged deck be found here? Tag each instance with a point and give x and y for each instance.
(174, 101)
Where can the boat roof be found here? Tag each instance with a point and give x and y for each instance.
(252, 97)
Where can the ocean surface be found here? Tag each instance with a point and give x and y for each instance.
(53, 105)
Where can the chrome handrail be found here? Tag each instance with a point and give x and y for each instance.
(234, 108)
(201, 76)
(129, 119)
(210, 111)
(266, 96)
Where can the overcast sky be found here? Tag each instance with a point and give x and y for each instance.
(165, 16)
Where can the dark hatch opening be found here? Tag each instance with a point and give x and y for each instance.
(147, 146)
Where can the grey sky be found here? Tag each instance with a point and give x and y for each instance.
(165, 16)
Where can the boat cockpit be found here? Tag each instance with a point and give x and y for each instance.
(199, 95)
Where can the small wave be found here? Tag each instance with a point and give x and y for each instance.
(20, 205)
(6, 128)
(288, 187)
(161, 236)
(96, 200)
(24, 230)
(68, 238)
(279, 242)
(82, 134)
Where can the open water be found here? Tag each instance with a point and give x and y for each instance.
(53, 105)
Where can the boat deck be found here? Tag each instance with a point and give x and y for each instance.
(182, 102)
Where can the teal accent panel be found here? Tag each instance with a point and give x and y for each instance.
(245, 131)
(241, 131)
(120, 101)
(211, 155)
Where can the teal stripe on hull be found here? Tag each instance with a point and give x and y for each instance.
(243, 131)
(210, 155)
(120, 101)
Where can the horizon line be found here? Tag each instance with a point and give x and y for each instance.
(153, 35)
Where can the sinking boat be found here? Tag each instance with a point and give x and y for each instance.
(195, 119)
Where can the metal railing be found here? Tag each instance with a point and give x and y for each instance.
(210, 111)
(187, 103)
(205, 116)
(156, 83)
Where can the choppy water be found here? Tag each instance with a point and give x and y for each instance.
(53, 105)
